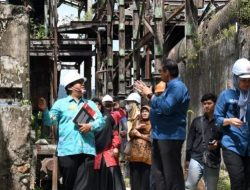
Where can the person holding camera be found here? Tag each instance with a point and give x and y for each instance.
(203, 149)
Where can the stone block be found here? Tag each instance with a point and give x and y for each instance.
(15, 147)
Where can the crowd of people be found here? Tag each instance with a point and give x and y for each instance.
(150, 135)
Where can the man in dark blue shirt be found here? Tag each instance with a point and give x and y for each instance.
(168, 120)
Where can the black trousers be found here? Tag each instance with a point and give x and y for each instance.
(108, 178)
(77, 171)
(166, 170)
(139, 176)
(238, 168)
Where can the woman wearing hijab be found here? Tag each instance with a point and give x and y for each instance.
(232, 114)
(140, 154)
(108, 174)
(133, 102)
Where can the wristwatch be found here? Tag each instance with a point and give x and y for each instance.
(149, 96)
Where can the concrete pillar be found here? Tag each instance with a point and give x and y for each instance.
(15, 151)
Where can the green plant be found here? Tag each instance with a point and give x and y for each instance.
(37, 31)
(88, 15)
(25, 102)
(191, 55)
(224, 182)
(36, 124)
(198, 43)
(227, 33)
(39, 188)
(244, 11)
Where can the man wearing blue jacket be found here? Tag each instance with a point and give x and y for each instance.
(168, 120)
(232, 115)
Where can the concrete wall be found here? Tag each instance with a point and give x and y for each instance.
(212, 70)
(14, 48)
(15, 151)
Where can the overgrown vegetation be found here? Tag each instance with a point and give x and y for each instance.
(224, 183)
(198, 43)
(41, 132)
(25, 102)
(88, 15)
(36, 121)
(37, 30)
(227, 33)
(192, 55)
(244, 13)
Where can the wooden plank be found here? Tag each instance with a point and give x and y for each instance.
(77, 53)
(109, 75)
(150, 29)
(49, 150)
(85, 24)
(175, 13)
(42, 42)
(159, 36)
(136, 34)
(45, 149)
(144, 40)
(55, 173)
(121, 65)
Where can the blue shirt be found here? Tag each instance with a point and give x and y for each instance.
(168, 112)
(71, 141)
(234, 139)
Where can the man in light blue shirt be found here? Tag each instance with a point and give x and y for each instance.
(76, 143)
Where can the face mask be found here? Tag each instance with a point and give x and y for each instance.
(128, 107)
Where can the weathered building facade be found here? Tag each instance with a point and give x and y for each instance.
(30, 68)
(212, 71)
(15, 150)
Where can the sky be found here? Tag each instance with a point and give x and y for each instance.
(65, 11)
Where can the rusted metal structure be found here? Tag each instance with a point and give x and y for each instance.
(145, 35)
